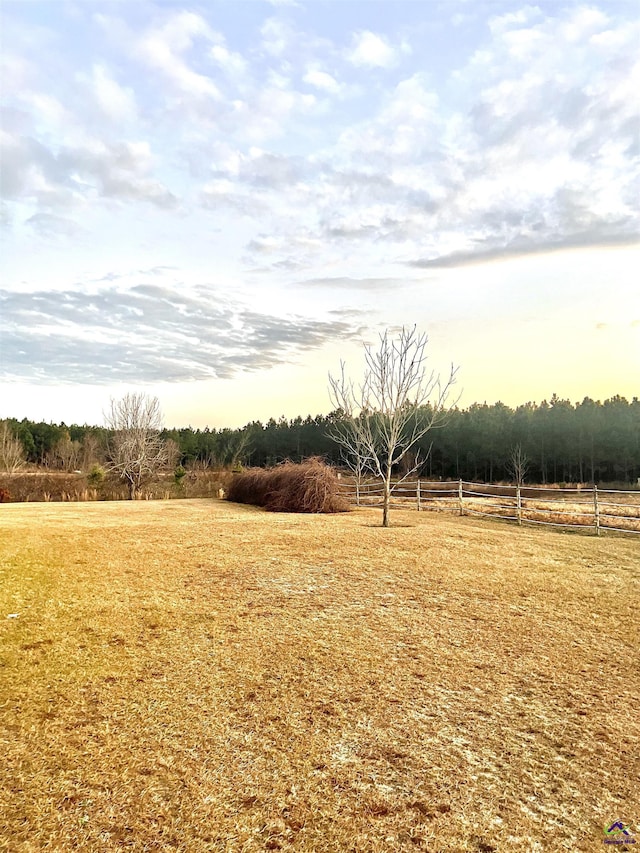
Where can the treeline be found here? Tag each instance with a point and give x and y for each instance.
(561, 441)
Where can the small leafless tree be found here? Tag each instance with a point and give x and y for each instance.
(173, 453)
(66, 454)
(354, 456)
(395, 406)
(91, 451)
(135, 450)
(11, 449)
(518, 464)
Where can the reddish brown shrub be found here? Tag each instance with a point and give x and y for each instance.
(5, 496)
(311, 486)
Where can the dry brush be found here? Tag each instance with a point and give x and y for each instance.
(309, 486)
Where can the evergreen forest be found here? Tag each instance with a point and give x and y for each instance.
(589, 442)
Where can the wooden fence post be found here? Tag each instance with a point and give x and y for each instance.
(418, 495)
(519, 497)
(460, 497)
(596, 510)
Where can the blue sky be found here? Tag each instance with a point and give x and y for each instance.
(217, 202)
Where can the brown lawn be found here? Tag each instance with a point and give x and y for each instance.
(200, 676)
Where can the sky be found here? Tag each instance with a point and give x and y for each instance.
(216, 203)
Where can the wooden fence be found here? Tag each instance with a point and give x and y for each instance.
(591, 509)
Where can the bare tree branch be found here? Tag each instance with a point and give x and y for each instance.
(11, 449)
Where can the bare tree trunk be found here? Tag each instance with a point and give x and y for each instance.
(386, 501)
(387, 492)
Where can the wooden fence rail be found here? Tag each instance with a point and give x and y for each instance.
(591, 509)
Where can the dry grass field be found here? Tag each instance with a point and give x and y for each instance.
(201, 676)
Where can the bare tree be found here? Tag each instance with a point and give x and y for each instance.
(172, 452)
(135, 450)
(91, 451)
(66, 454)
(356, 463)
(518, 464)
(11, 449)
(394, 407)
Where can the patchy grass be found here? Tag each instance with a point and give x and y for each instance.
(201, 676)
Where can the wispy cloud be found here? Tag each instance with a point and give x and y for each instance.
(48, 225)
(346, 283)
(148, 331)
(520, 248)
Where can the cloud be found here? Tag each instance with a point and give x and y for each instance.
(539, 152)
(264, 245)
(46, 109)
(116, 102)
(48, 225)
(277, 35)
(322, 80)
(263, 170)
(346, 283)
(16, 73)
(163, 48)
(148, 333)
(257, 184)
(374, 51)
(222, 194)
(233, 64)
(521, 247)
(71, 175)
(459, 19)
(6, 218)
